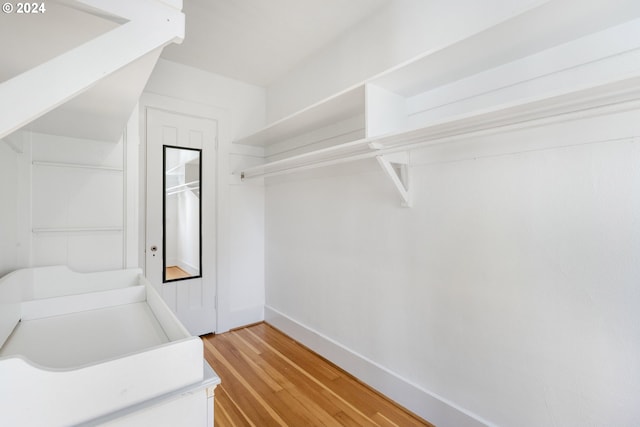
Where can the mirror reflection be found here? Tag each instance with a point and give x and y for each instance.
(182, 214)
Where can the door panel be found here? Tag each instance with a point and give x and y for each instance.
(192, 299)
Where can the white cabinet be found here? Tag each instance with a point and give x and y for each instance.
(98, 348)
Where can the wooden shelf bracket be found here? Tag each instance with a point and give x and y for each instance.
(396, 167)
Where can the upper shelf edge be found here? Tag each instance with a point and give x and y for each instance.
(342, 105)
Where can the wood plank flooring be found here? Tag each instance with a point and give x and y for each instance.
(175, 272)
(268, 379)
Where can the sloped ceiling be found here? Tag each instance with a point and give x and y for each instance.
(256, 41)
(99, 113)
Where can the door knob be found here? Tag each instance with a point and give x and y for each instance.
(154, 248)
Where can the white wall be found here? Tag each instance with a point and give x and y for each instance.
(509, 290)
(240, 207)
(506, 295)
(67, 202)
(77, 196)
(398, 32)
(189, 232)
(8, 209)
(171, 231)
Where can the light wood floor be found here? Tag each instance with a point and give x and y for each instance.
(270, 380)
(175, 272)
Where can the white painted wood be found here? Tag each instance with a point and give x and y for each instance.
(10, 300)
(174, 329)
(585, 100)
(607, 53)
(568, 39)
(114, 376)
(192, 300)
(151, 29)
(23, 205)
(48, 282)
(169, 409)
(385, 111)
(78, 196)
(101, 330)
(396, 33)
(343, 131)
(71, 342)
(131, 159)
(77, 166)
(297, 162)
(90, 300)
(11, 213)
(550, 24)
(74, 229)
(399, 178)
(527, 89)
(338, 107)
(185, 410)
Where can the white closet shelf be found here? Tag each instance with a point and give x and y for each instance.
(624, 93)
(548, 24)
(335, 108)
(77, 166)
(317, 158)
(374, 118)
(76, 229)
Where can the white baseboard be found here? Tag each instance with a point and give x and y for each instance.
(191, 269)
(235, 319)
(423, 403)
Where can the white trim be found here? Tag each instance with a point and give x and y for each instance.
(77, 166)
(428, 405)
(76, 229)
(131, 165)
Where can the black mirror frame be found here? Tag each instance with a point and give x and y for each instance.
(164, 213)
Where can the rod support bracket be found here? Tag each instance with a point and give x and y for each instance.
(396, 167)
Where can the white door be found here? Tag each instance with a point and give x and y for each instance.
(181, 216)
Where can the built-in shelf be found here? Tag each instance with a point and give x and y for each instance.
(587, 100)
(546, 25)
(348, 151)
(337, 108)
(75, 229)
(377, 119)
(78, 166)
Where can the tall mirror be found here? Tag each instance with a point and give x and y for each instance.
(182, 214)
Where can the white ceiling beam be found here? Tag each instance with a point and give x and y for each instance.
(150, 26)
(126, 9)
